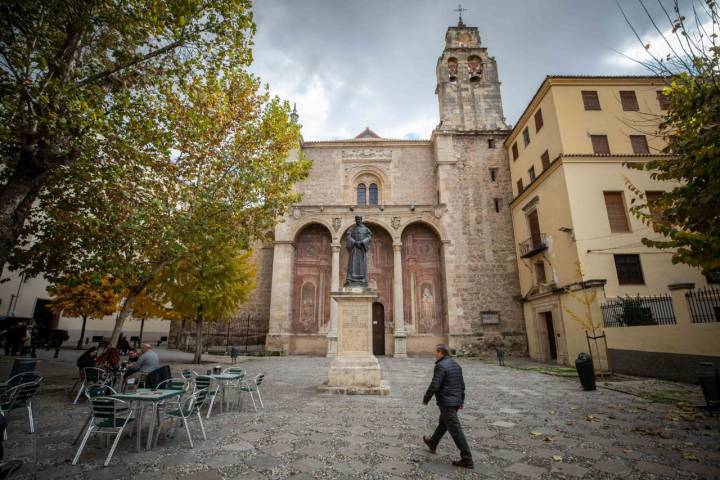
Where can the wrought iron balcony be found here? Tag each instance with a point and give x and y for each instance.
(533, 245)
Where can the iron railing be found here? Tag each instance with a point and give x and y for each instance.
(637, 311)
(704, 305)
(533, 245)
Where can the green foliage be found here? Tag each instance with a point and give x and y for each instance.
(205, 165)
(634, 313)
(77, 78)
(688, 216)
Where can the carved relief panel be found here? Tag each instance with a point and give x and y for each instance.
(424, 305)
(311, 282)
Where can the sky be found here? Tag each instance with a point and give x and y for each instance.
(350, 64)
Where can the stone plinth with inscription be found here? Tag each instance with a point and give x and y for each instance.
(354, 370)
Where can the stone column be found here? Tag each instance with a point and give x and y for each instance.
(398, 314)
(334, 287)
(281, 296)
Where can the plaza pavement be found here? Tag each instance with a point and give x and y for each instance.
(520, 425)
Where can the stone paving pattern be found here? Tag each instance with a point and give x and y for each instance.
(520, 425)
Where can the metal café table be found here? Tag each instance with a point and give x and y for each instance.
(223, 379)
(141, 397)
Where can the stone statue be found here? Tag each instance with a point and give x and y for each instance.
(358, 243)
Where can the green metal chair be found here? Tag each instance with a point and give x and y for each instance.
(203, 382)
(20, 396)
(173, 384)
(93, 391)
(186, 408)
(92, 376)
(109, 416)
(236, 384)
(254, 387)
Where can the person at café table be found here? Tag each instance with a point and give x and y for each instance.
(146, 363)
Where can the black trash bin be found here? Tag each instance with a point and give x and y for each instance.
(709, 379)
(586, 372)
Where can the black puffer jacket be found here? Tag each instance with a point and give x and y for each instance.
(447, 384)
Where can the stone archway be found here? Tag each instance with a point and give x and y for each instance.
(423, 282)
(311, 280)
(380, 269)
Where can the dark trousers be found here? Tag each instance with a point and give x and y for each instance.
(449, 422)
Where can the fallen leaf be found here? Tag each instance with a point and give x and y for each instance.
(535, 433)
(547, 439)
(557, 458)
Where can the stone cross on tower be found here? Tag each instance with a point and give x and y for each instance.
(460, 11)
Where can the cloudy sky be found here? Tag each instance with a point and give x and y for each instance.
(349, 64)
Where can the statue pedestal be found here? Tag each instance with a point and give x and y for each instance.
(354, 370)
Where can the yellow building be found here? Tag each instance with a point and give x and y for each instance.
(570, 208)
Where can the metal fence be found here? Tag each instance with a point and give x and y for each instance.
(704, 305)
(638, 311)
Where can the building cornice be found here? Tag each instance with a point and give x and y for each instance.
(366, 142)
(581, 158)
(575, 80)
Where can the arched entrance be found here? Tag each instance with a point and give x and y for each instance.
(311, 280)
(423, 286)
(380, 271)
(378, 327)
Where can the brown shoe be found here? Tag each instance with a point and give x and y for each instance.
(427, 442)
(464, 463)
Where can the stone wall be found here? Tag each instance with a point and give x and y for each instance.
(482, 284)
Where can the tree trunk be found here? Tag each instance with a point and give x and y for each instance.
(16, 199)
(82, 333)
(198, 337)
(124, 313)
(142, 327)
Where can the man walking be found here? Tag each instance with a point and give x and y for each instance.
(448, 387)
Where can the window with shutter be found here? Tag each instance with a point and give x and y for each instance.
(538, 120)
(600, 144)
(531, 173)
(616, 212)
(629, 102)
(519, 186)
(663, 100)
(590, 100)
(526, 136)
(540, 272)
(651, 199)
(545, 159)
(629, 270)
(514, 151)
(639, 144)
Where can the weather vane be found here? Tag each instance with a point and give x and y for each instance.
(460, 11)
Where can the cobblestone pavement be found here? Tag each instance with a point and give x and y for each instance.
(520, 425)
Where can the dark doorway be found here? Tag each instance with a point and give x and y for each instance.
(378, 320)
(551, 334)
(44, 317)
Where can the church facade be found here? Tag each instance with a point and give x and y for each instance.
(442, 258)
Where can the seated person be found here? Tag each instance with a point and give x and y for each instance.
(133, 355)
(87, 359)
(146, 363)
(109, 360)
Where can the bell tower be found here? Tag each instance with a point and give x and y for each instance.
(468, 88)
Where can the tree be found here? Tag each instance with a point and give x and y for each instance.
(688, 216)
(146, 306)
(209, 286)
(213, 170)
(86, 296)
(75, 73)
